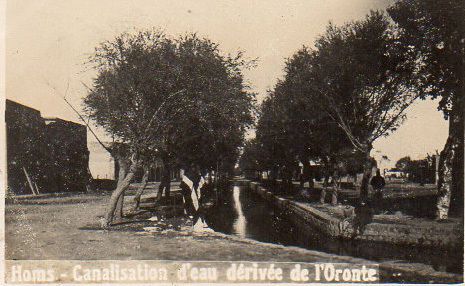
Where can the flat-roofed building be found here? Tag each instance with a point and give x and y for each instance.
(44, 154)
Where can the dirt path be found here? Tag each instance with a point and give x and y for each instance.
(53, 230)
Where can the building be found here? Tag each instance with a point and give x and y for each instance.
(26, 148)
(44, 154)
(67, 142)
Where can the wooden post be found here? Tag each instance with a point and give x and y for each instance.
(29, 181)
(37, 188)
(216, 182)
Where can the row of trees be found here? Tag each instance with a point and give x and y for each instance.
(354, 86)
(419, 171)
(175, 99)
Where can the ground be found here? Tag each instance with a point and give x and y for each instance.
(67, 227)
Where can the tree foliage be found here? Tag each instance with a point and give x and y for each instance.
(291, 129)
(178, 96)
(335, 100)
(251, 157)
(179, 99)
(433, 33)
(356, 76)
(404, 163)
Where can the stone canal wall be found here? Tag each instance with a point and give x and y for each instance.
(339, 221)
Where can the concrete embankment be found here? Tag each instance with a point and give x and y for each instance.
(340, 221)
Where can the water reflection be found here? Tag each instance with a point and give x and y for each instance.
(240, 223)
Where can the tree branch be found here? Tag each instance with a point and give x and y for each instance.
(160, 108)
(82, 118)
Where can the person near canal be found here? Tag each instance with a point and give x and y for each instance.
(378, 183)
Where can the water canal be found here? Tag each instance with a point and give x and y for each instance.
(243, 213)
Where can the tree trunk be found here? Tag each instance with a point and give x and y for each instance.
(90, 185)
(445, 181)
(323, 190)
(142, 187)
(167, 180)
(119, 207)
(450, 182)
(306, 174)
(165, 183)
(367, 169)
(335, 190)
(115, 205)
(273, 175)
(160, 190)
(121, 175)
(334, 195)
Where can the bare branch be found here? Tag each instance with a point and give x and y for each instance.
(155, 114)
(66, 91)
(82, 119)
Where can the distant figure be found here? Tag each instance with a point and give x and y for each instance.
(378, 183)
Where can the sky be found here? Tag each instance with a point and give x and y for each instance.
(48, 42)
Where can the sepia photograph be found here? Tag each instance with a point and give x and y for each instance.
(232, 142)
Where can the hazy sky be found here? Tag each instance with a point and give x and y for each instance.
(48, 41)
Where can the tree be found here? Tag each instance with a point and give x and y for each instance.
(276, 141)
(272, 138)
(291, 129)
(310, 130)
(177, 99)
(250, 161)
(144, 182)
(433, 36)
(404, 164)
(213, 125)
(355, 74)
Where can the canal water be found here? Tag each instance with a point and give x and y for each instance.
(243, 213)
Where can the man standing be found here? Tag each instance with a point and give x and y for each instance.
(378, 183)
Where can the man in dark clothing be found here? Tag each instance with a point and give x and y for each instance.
(165, 183)
(378, 183)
